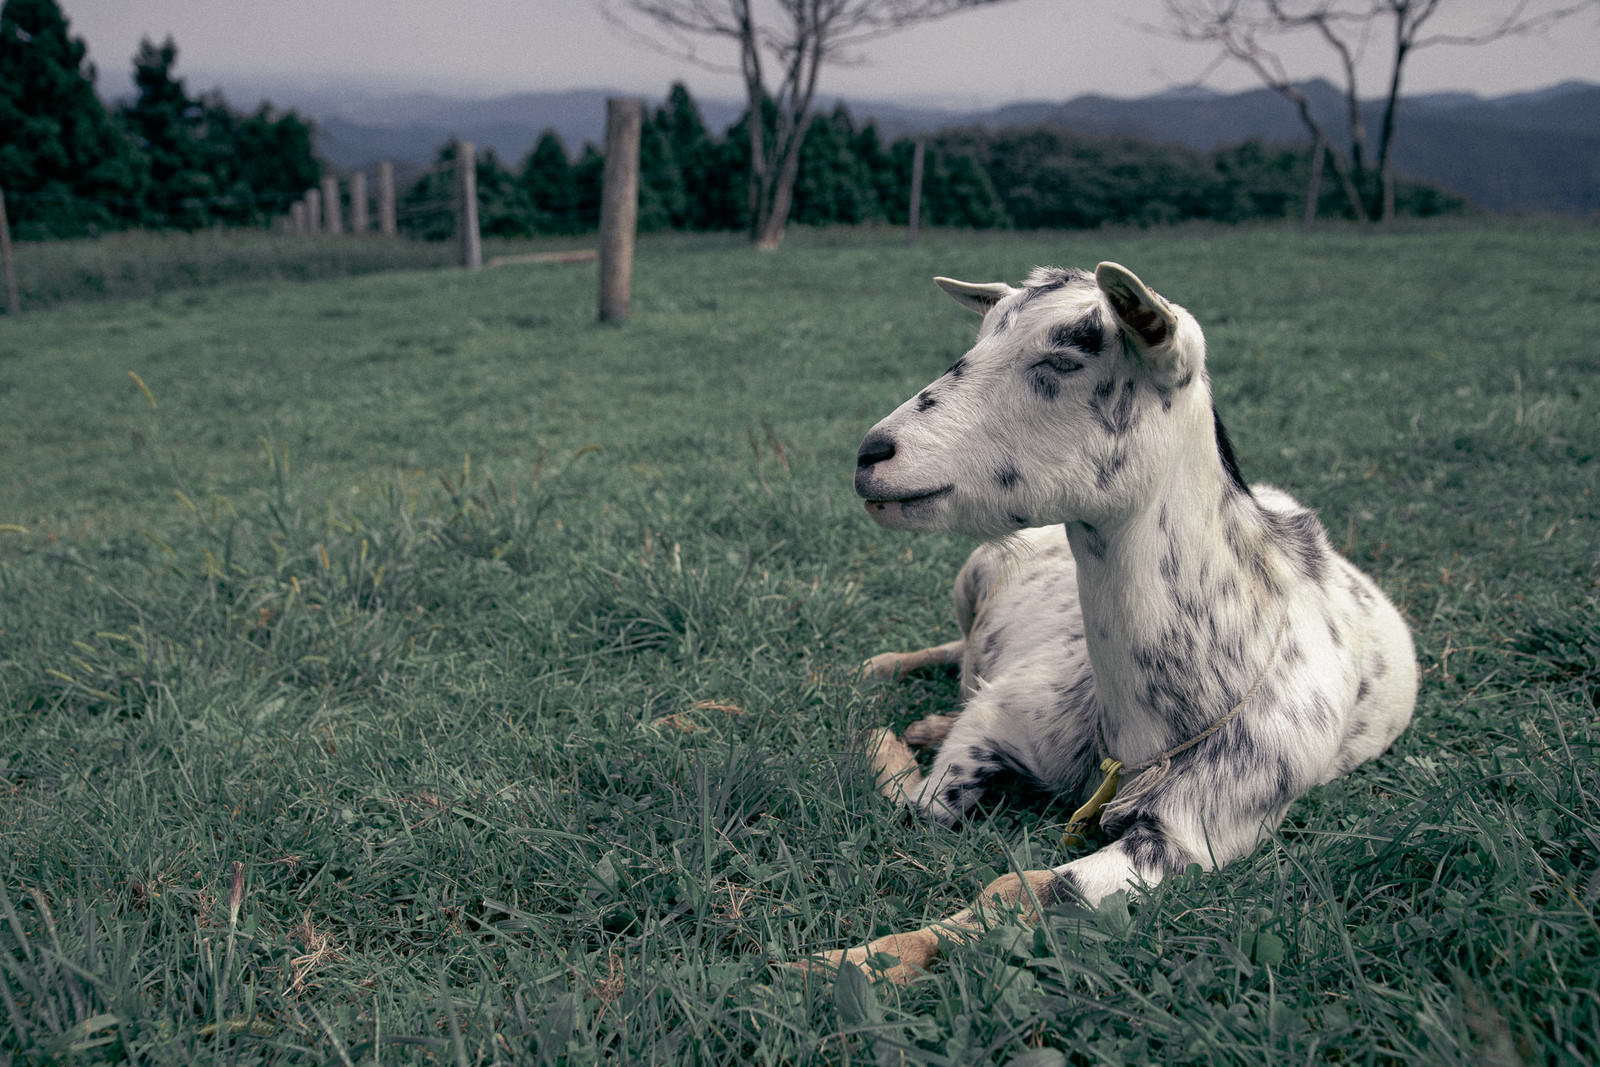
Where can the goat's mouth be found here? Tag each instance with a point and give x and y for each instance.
(907, 502)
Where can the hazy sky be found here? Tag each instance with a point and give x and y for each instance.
(1025, 49)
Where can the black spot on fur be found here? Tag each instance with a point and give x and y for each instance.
(1045, 385)
(958, 368)
(1020, 520)
(1062, 889)
(1300, 535)
(1169, 565)
(994, 762)
(1106, 470)
(1149, 846)
(1007, 477)
(1115, 416)
(1087, 334)
(1319, 710)
(926, 400)
(1230, 462)
(1362, 690)
(1283, 782)
(1093, 541)
(1078, 695)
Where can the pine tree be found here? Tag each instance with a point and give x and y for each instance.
(170, 130)
(548, 181)
(962, 194)
(833, 185)
(882, 177)
(64, 164)
(274, 160)
(504, 207)
(698, 158)
(588, 176)
(662, 203)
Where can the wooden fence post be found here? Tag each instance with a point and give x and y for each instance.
(914, 211)
(386, 224)
(358, 202)
(467, 205)
(330, 203)
(297, 218)
(313, 211)
(13, 300)
(619, 206)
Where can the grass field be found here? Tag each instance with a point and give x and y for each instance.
(404, 668)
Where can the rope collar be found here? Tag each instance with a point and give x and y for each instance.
(1113, 768)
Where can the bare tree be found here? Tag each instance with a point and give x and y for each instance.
(797, 37)
(1242, 30)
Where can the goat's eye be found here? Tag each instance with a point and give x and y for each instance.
(1059, 363)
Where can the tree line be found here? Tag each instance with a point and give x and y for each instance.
(1023, 178)
(70, 166)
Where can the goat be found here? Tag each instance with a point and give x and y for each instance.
(1136, 609)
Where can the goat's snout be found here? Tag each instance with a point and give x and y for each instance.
(877, 447)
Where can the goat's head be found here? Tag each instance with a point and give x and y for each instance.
(1077, 401)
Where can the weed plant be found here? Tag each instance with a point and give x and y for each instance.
(404, 668)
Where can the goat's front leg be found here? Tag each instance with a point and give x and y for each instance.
(1012, 895)
(1123, 864)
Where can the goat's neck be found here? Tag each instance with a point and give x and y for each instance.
(1178, 609)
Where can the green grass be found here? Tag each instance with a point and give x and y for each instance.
(142, 264)
(505, 656)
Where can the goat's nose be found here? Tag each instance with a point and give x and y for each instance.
(878, 446)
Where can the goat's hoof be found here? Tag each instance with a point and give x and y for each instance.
(883, 967)
(888, 755)
(928, 730)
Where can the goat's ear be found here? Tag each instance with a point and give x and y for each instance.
(1138, 308)
(979, 298)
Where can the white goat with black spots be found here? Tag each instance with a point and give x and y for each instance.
(1200, 631)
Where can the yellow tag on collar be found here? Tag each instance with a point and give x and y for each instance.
(1102, 796)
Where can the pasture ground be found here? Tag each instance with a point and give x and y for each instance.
(403, 667)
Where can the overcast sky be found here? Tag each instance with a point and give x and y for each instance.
(1025, 49)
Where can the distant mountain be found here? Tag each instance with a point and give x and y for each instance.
(1529, 153)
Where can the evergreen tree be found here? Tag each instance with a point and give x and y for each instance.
(588, 178)
(425, 209)
(274, 160)
(504, 207)
(696, 154)
(961, 194)
(833, 185)
(662, 203)
(547, 178)
(64, 165)
(882, 177)
(171, 132)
